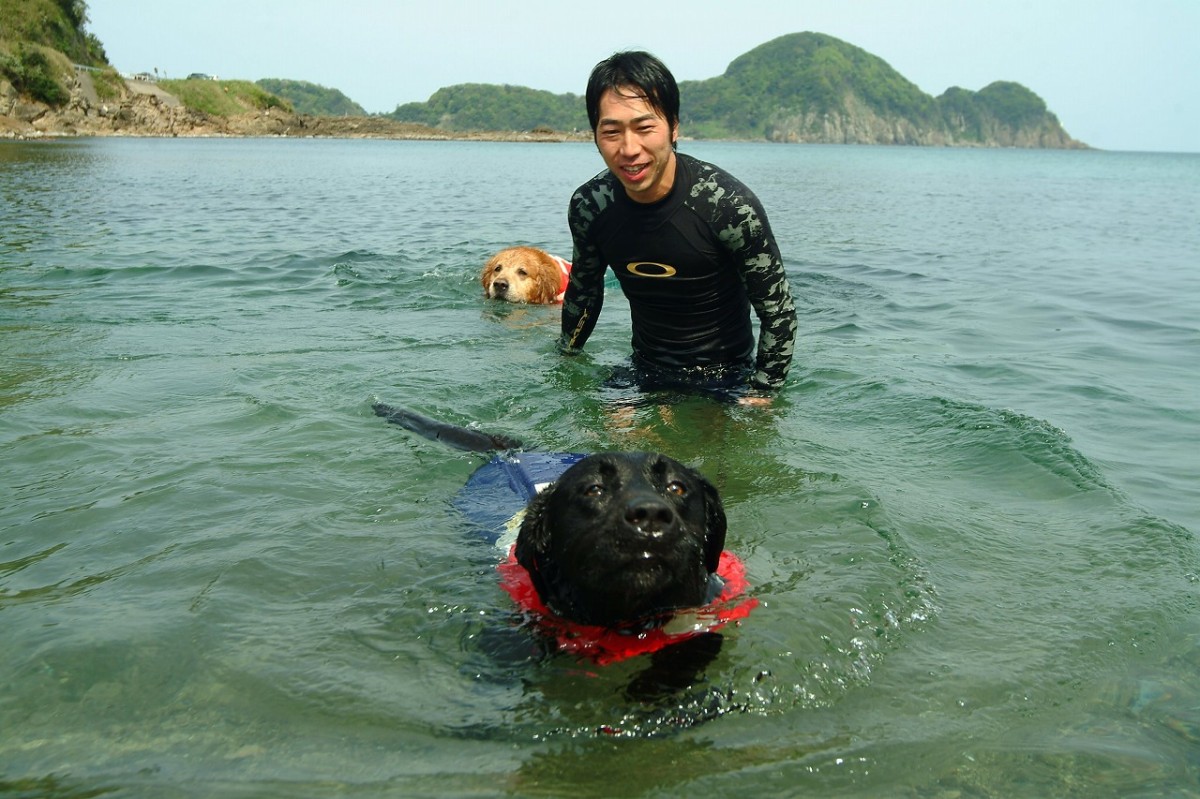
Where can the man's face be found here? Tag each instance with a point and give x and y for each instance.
(635, 142)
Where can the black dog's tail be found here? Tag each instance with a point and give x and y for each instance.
(452, 435)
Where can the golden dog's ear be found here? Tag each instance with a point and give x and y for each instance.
(548, 279)
(487, 270)
(546, 287)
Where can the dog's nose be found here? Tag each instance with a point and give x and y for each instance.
(500, 286)
(649, 514)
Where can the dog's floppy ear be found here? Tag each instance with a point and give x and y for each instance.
(549, 279)
(545, 288)
(533, 540)
(486, 271)
(714, 526)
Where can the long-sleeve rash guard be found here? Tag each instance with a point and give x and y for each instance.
(691, 265)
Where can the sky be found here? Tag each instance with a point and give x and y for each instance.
(1119, 74)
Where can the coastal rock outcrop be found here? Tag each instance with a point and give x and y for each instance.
(144, 109)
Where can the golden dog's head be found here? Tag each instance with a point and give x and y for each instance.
(522, 274)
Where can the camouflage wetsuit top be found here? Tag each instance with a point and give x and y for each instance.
(691, 266)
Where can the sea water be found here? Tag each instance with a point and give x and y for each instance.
(969, 518)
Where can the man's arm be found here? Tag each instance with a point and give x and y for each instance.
(581, 304)
(771, 296)
(584, 296)
(752, 245)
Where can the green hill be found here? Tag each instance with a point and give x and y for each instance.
(790, 89)
(479, 107)
(1001, 111)
(311, 98)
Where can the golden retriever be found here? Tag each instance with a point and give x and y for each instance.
(525, 274)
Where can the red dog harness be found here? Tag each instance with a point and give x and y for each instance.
(604, 645)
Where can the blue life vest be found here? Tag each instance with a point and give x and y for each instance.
(502, 487)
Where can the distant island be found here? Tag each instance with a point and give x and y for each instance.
(803, 87)
(55, 80)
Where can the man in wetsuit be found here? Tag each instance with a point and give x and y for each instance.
(690, 246)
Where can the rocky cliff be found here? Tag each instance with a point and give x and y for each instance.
(857, 123)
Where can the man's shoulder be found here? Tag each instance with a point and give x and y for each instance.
(596, 194)
(725, 204)
(712, 182)
(604, 176)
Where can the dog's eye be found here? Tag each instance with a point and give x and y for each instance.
(676, 488)
(522, 272)
(594, 490)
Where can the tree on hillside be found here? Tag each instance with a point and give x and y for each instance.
(75, 11)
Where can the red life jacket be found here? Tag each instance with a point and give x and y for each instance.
(604, 645)
(564, 267)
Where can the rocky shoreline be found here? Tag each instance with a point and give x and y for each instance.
(144, 110)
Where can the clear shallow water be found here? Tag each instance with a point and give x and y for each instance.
(969, 520)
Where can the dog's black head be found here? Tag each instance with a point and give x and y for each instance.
(623, 537)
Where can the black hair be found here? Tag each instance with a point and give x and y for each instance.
(638, 70)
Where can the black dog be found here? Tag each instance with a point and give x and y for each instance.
(617, 540)
(624, 538)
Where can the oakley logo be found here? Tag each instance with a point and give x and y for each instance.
(650, 269)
